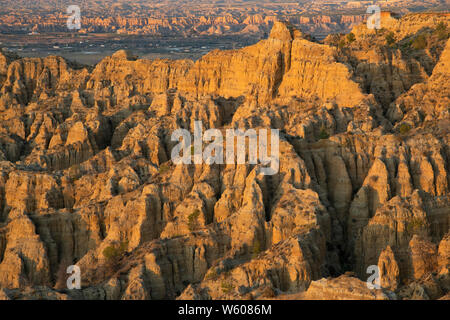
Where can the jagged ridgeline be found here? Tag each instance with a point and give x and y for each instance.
(86, 176)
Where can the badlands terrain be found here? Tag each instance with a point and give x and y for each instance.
(86, 176)
(195, 17)
(175, 29)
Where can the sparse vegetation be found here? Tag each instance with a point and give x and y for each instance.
(114, 253)
(334, 39)
(351, 37)
(212, 274)
(441, 31)
(419, 42)
(163, 168)
(415, 226)
(404, 128)
(405, 44)
(369, 112)
(256, 249)
(227, 286)
(390, 39)
(193, 220)
(323, 134)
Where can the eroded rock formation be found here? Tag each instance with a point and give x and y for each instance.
(86, 176)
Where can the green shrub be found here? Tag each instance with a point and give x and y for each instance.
(420, 42)
(441, 31)
(351, 37)
(193, 220)
(404, 128)
(227, 286)
(212, 274)
(406, 45)
(163, 168)
(334, 39)
(256, 249)
(415, 226)
(323, 134)
(113, 253)
(390, 38)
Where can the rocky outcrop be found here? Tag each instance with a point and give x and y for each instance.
(423, 257)
(288, 267)
(341, 288)
(29, 79)
(268, 69)
(394, 224)
(86, 175)
(429, 99)
(128, 77)
(25, 260)
(389, 271)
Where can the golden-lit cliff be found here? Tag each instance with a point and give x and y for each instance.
(86, 176)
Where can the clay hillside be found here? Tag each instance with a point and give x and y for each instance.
(86, 176)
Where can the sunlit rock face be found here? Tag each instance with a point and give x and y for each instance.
(86, 176)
